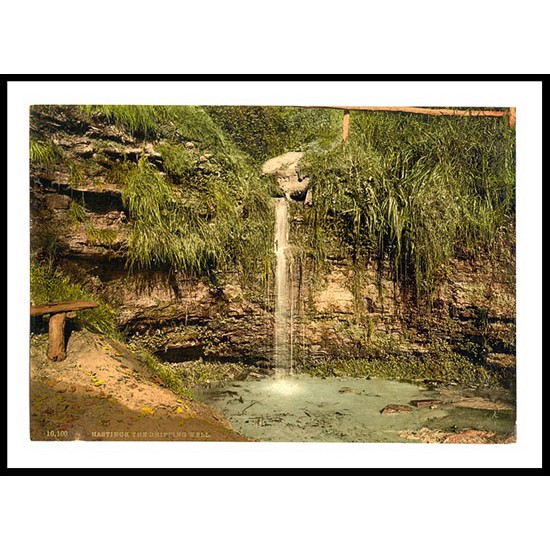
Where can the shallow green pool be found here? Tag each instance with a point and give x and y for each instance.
(302, 409)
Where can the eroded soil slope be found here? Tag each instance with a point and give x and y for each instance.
(102, 391)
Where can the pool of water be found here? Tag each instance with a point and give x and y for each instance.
(302, 409)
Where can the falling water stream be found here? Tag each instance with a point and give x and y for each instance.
(283, 307)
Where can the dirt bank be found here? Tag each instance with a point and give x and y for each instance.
(102, 392)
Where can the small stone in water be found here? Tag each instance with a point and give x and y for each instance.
(432, 403)
(393, 409)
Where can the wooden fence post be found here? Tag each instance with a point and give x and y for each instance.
(345, 125)
(59, 312)
(56, 337)
(512, 117)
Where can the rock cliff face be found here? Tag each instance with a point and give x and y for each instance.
(77, 214)
(473, 314)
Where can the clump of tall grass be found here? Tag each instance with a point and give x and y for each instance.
(411, 192)
(49, 285)
(176, 122)
(205, 217)
(119, 172)
(139, 120)
(218, 227)
(164, 231)
(78, 212)
(44, 152)
(76, 176)
(100, 235)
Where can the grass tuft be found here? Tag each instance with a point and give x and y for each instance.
(45, 153)
(100, 236)
(201, 227)
(169, 375)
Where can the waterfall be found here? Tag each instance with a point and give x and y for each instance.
(283, 301)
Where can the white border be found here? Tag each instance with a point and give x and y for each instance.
(527, 452)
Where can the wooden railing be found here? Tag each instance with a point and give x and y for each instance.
(510, 113)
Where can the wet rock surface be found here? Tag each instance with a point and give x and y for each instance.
(393, 409)
(432, 403)
(427, 435)
(288, 176)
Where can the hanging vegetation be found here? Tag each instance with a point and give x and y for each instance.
(412, 191)
(209, 213)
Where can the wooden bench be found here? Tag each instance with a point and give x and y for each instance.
(60, 312)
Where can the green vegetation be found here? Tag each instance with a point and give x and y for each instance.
(407, 192)
(76, 176)
(411, 192)
(100, 236)
(45, 152)
(200, 230)
(179, 161)
(50, 285)
(78, 212)
(170, 376)
(139, 120)
(177, 123)
(442, 366)
(207, 215)
(119, 172)
(196, 373)
(267, 131)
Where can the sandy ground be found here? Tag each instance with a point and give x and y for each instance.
(102, 392)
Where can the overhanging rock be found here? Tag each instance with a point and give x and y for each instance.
(287, 174)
